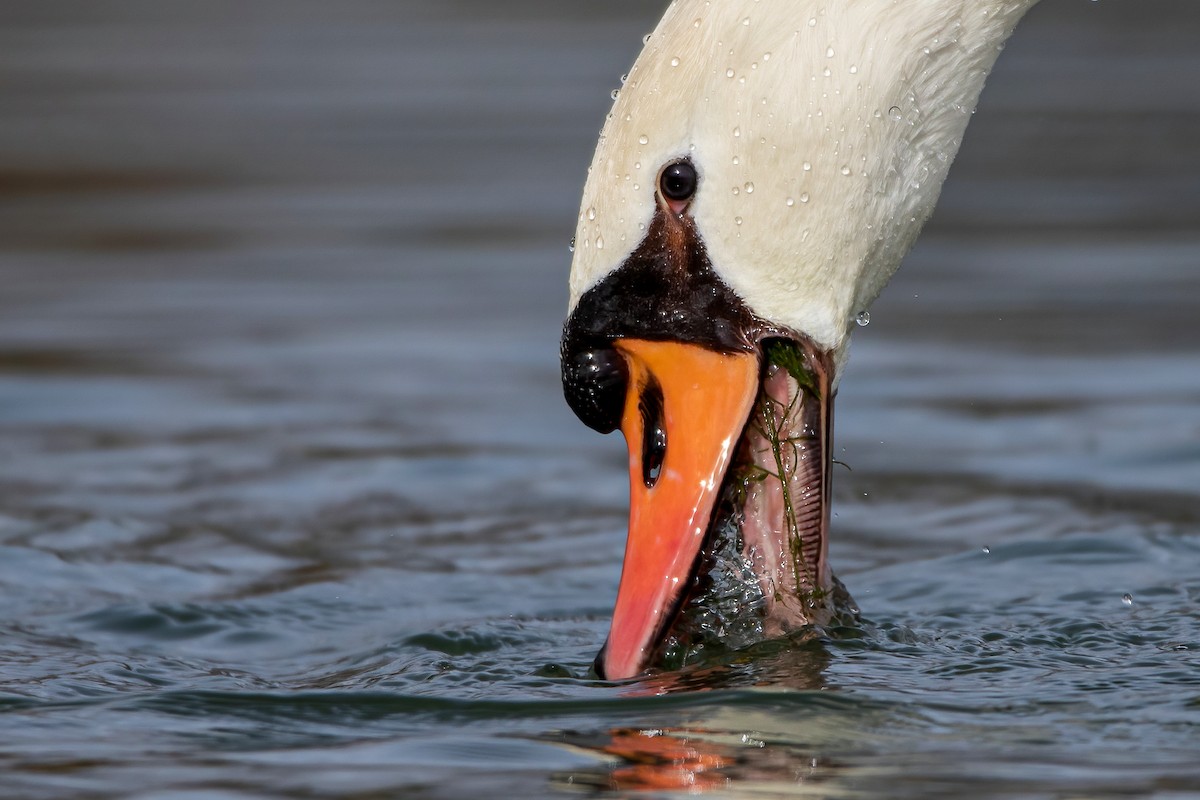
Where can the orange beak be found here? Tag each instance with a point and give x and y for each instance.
(685, 409)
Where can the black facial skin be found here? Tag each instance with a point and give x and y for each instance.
(594, 380)
(665, 290)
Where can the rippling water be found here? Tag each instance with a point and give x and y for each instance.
(290, 504)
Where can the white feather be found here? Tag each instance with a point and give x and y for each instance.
(822, 131)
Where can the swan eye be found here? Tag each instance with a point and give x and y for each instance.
(678, 182)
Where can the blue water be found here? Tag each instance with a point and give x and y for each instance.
(291, 506)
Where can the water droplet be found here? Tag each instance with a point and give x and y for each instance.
(749, 188)
(737, 220)
(571, 246)
(1127, 599)
(737, 132)
(804, 197)
(599, 242)
(894, 112)
(766, 56)
(853, 69)
(615, 93)
(807, 167)
(846, 170)
(746, 21)
(812, 23)
(736, 161)
(675, 61)
(646, 38)
(591, 213)
(829, 52)
(643, 139)
(736, 190)
(729, 72)
(987, 551)
(863, 319)
(624, 78)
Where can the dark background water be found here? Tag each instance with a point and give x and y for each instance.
(290, 505)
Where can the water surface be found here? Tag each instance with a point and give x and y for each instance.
(290, 504)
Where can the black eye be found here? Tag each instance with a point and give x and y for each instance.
(678, 181)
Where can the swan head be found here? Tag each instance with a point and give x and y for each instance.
(763, 170)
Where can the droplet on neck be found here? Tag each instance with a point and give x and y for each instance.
(863, 319)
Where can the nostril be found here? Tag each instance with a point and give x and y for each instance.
(654, 433)
(655, 454)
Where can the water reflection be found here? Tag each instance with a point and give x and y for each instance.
(736, 741)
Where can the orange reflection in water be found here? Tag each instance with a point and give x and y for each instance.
(667, 760)
(724, 750)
